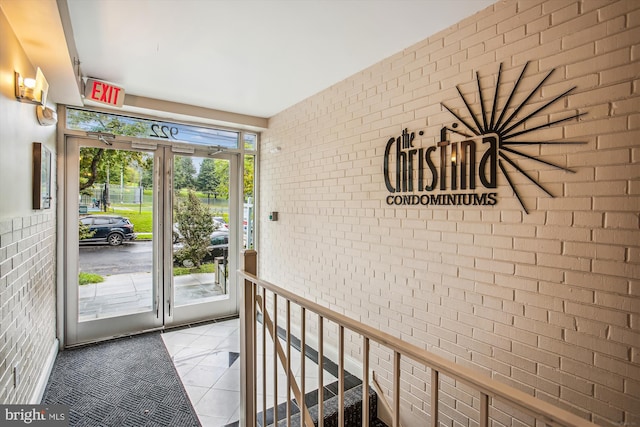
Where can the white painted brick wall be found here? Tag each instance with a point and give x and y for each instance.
(547, 302)
(27, 302)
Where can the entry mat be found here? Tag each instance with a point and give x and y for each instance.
(127, 382)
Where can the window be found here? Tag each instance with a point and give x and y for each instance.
(250, 142)
(92, 121)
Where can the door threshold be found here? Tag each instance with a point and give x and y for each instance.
(113, 338)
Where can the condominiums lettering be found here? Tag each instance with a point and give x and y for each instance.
(445, 166)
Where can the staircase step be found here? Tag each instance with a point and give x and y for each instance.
(352, 410)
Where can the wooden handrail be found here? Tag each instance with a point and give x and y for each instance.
(542, 410)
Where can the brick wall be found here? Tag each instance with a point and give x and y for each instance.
(27, 298)
(27, 238)
(547, 301)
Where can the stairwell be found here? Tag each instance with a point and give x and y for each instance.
(352, 395)
(352, 412)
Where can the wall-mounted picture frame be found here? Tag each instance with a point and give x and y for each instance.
(41, 176)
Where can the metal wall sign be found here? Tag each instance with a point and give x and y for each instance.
(462, 168)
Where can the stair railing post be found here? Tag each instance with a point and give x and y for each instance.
(247, 343)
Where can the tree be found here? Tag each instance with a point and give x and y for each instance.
(195, 225)
(184, 173)
(95, 162)
(147, 177)
(222, 176)
(207, 181)
(249, 161)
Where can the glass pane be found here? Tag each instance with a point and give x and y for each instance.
(248, 220)
(116, 124)
(115, 233)
(250, 141)
(200, 229)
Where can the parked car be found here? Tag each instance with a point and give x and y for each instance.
(107, 228)
(218, 224)
(219, 244)
(219, 247)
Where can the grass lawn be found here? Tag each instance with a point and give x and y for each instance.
(204, 268)
(141, 216)
(142, 221)
(87, 278)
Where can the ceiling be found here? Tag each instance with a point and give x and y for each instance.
(249, 57)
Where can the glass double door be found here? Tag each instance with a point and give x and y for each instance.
(151, 238)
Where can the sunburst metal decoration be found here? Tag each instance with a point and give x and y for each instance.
(507, 128)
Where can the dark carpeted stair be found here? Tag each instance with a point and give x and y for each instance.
(352, 398)
(352, 410)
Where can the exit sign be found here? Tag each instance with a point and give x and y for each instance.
(104, 93)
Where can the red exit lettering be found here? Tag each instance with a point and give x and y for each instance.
(104, 93)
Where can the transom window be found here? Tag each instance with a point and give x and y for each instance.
(116, 124)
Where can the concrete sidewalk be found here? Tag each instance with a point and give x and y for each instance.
(132, 293)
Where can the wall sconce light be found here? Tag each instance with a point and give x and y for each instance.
(31, 90)
(46, 116)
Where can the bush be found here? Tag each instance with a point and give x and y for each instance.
(84, 232)
(195, 226)
(87, 278)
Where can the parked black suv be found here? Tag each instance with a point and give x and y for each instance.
(108, 228)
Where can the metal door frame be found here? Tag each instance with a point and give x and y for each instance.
(164, 313)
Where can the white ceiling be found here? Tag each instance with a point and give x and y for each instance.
(252, 57)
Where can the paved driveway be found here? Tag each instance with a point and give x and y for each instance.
(130, 257)
(127, 287)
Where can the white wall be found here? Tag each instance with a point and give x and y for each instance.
(27, 236)
(549, 301)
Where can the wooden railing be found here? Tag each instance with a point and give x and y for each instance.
(254, 297)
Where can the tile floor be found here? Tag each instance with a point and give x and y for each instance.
(207, 360)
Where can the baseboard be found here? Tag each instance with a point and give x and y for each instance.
(38, 392)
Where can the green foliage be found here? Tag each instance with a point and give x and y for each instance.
(131, 174)
(195, 225)
(204, 268)
(184, 173)
(222, 175)
(249, 178)
(87, 278)
(84, 232)
(207, 181)
(213, 177)
(147, 178)
(108, 123)
(99, 165)
(96, 163)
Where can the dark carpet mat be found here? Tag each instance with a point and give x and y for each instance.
(125, 382)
